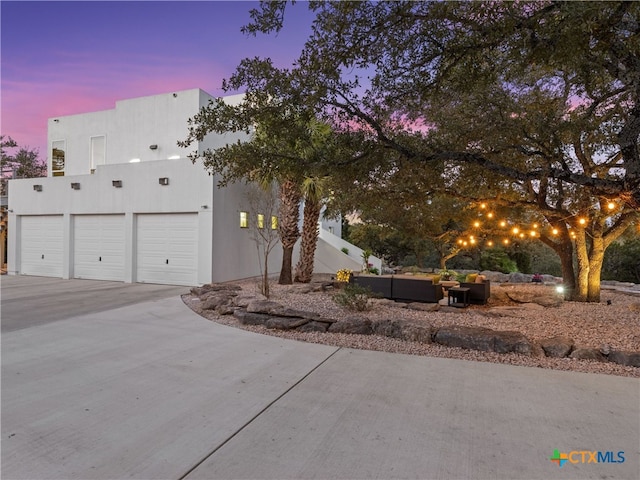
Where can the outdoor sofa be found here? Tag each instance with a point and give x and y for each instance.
(479, 290)
(401, 287)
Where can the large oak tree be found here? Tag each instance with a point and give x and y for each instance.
(527, 103)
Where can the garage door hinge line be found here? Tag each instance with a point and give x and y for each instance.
(252, 419)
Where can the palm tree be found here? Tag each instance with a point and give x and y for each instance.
(289, 218)
(313, 192)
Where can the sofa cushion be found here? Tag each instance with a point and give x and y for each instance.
(480, 278)
(435, 279)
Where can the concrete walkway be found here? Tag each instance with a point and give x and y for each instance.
(153, 391)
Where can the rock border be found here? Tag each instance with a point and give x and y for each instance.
(227, 299)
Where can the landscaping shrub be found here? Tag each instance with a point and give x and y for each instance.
(354, 297)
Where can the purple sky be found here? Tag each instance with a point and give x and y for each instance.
(62, 58)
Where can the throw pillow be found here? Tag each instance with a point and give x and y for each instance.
(480, 279)
(435, 279)
(471, 278)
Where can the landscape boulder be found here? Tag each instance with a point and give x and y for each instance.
(353, 325)
(215, 287)
(314, 326)
(557, 347)
(285, 323)
(249, 318)
(264, 306)
(630, 359)
(587, 354)
(212, 301)
(484, 339)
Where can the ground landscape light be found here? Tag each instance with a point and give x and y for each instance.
(560, 289)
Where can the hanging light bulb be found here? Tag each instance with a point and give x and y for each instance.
(611, 206)
(503, 223)
(554, 231)
(490, 214)
(582, 221)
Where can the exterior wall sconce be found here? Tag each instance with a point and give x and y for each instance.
(116, 183)
(153, 147)
(163, 180)
(56, 120)
(75, 186)
(204, 207)
(37, 188)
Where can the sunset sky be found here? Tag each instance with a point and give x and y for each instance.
(62, 58)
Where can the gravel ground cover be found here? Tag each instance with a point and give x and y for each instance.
(613, 323)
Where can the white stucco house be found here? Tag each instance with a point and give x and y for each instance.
(122, 202)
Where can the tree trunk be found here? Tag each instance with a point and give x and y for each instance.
(288, 226)
(304, 269)
(265, 278)
(565, 252)
(582, 286)
(596, 257)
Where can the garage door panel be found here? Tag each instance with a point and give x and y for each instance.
(167, 248)
(41, 245)
(99, 247)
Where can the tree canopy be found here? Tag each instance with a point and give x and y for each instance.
(523, 103)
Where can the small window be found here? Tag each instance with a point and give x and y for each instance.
(274, 222)
(57, 158)
(260, 220)
(244, 220)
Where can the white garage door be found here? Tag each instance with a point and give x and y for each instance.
(41, 245)
(167, 248)
(98, 248)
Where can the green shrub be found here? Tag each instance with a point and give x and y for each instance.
(354, 297)
(345, 250)
(497, 260)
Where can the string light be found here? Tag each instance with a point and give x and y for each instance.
(534, 230)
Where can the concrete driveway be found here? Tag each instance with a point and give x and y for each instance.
(149, 390)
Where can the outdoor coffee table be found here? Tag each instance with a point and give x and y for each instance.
(458, 297)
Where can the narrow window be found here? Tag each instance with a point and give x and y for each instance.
(57, 158)
(244, 220)
(274, 222)
(260, 220)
